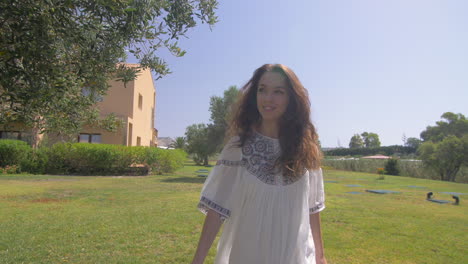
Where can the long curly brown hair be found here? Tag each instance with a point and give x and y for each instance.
(297, 135)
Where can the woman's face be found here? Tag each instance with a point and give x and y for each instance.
(272, 96)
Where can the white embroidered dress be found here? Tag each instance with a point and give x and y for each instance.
(266, 215)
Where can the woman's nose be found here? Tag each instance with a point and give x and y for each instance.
(268, 96)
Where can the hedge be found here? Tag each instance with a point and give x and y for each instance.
(103, 159)
(160, 160)
(410, 168)
(387, 150)
(12, 152)
(90, 159)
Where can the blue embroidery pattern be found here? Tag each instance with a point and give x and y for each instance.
(316, 208)
(259, 155)
(206, 204)
(231, 163)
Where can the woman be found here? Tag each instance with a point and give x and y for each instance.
(267, 186)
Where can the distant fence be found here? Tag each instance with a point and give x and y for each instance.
(411, 168)
(387, 150)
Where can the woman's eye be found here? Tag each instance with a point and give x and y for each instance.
(260, 90)
(279, 92)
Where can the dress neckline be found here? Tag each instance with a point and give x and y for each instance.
(275, 140)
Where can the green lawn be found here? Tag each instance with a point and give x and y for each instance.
(153, 219)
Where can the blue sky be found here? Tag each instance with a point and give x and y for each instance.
(389, 67)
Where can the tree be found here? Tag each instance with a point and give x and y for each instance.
(366, 139)
(205, 140)
(371, 140)
(51, 50)
(452, 124)
(198, 143)
(220, 108)
(391, 167)
(356, 141)
(445, 146)
(445, 157)
(413, 142)
(179, 143)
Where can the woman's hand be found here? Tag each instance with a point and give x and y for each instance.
(320, 260)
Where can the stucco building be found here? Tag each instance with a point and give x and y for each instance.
(134, 103)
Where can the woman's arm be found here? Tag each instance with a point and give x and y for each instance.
(317, 235)
(210, 229)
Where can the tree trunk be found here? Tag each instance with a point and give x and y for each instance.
(35, 131)
(442, 174)
(205, 161)
(451, 174)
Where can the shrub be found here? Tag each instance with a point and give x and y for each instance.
(92, 159)
(13, 169)
(175, 160)
(391, 167)
(36, 163)
(160, 160)
(104, 159)
(58, 157)
(89, 159)
(12, 152)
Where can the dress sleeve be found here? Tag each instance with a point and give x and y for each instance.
(316, 191)
(219, 185)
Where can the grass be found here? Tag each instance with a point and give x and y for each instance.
(153, 219)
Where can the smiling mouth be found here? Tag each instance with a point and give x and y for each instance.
(268, 108)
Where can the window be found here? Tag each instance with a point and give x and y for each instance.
(89, 138)
(140, 101)
(83, 138)
(130, 133)
(138, 141)
(10, 135)
(96, 138)
(19, 135)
